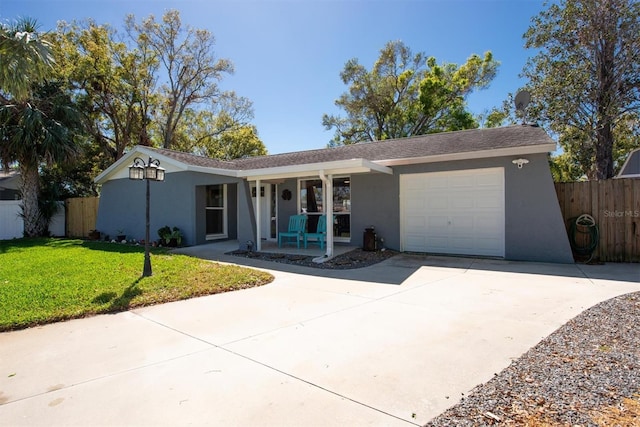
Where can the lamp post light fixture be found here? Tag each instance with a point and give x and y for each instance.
(150, 171)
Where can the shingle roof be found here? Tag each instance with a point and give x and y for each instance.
(472, 140)
(195, 160)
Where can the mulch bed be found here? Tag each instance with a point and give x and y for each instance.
(356, 258)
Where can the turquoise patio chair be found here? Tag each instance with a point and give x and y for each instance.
(297, 228)
(320, 234)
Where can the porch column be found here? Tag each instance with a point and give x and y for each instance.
(258, 218)
(329, 215)
(327, 191)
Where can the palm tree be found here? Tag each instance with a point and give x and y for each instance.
(39, 131)
(26, 57)
(37, 119)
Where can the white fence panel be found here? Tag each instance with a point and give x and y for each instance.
(11, 224)
(57, 224)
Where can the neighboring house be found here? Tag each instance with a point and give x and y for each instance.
(631, 167)
(9, 185)
(482, 192)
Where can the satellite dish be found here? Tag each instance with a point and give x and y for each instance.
(522, 100)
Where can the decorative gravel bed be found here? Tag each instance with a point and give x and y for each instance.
(356, 258)
(587, 373)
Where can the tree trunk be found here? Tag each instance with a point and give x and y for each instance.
(604, 152)
(606, 109)
(30, 188)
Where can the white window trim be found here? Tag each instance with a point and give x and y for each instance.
(224, 210)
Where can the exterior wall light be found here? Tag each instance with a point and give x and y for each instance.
(520, 162)
(150, 171)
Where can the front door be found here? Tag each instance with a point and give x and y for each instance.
(268, 209)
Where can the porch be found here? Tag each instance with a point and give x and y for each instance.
(269, 246)
(312, 249)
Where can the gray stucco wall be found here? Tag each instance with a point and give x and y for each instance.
(534, 227)
(375, 202)
(246, 218)
(534, 230)
(176, 202)
(286, 208)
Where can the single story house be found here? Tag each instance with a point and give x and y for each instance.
(480, 192)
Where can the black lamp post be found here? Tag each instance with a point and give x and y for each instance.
(150, 171)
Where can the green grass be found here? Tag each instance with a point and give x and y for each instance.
(49, 280)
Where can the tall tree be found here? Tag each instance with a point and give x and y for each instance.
(192, 71)
(585, 79)
(112, 82)
(444, 89)
(223, 131)
(406, 94)
(117, 77)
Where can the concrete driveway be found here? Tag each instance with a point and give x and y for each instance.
(392, 344)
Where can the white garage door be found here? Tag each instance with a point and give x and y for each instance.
(459, 212)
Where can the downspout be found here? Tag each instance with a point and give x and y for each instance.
(328, 210)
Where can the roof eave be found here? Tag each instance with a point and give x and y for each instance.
(137, 151)
(212, 171)
(108, 172)
(143, 151)
(338, 167)
(471, 155)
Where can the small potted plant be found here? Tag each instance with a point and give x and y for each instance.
(170, 237)
(175, 239)
(121, 235)
(164, 234)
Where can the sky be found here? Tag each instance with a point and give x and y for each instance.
(288, 55)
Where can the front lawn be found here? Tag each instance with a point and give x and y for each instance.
(48, 280)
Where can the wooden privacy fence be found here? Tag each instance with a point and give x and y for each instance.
(82, 213)
(615, 206)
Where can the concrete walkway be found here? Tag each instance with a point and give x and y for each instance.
(392, 344)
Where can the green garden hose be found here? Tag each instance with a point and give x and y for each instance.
(580, 226)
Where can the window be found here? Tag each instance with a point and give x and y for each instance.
(342, 208)
(311, 196)
(216, 214)
(342, 195)
(312, 203)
